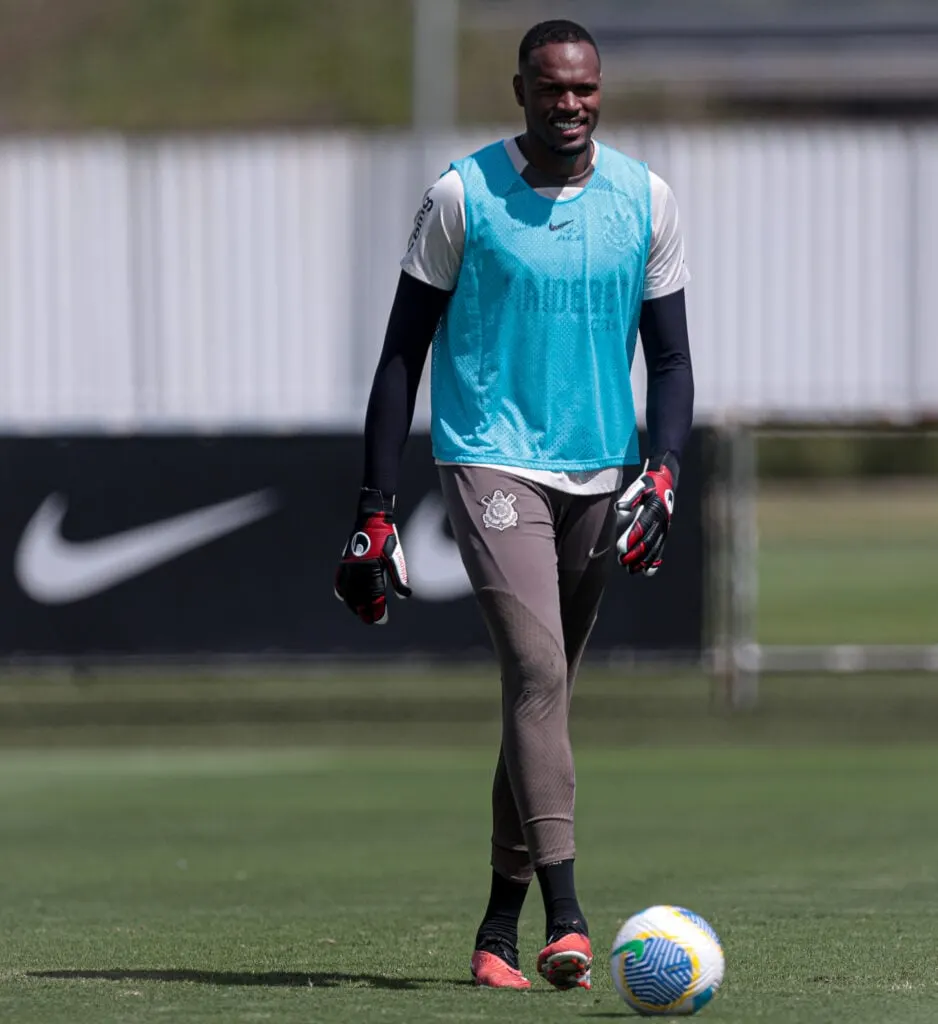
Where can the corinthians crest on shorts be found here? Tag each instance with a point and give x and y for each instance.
(499, 511)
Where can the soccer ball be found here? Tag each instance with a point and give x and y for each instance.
(667, 961)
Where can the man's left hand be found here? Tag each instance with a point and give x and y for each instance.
(643, 518)
(372, 558)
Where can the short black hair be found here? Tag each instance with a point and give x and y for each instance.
(556, 31)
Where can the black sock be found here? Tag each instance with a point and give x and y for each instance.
(560, 902)
(501, 915)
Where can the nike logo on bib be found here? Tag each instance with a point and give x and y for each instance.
(53, 570)
(562, 224)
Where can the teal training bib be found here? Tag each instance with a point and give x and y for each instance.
(531, 366)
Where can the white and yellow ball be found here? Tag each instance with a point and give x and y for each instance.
(667, 961)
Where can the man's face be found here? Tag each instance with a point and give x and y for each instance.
(560, 91)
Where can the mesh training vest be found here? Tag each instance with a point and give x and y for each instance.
(531, 364)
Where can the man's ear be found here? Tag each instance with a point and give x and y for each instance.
(518, 84)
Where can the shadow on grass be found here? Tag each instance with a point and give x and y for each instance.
(273, 979)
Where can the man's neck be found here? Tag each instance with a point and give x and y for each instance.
(563, 168)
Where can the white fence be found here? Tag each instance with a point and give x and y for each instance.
(245, 281)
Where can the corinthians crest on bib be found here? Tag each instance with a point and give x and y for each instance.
(617, 230)
(499, 511)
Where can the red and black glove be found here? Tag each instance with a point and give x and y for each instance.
(371, 558)
(643, 517)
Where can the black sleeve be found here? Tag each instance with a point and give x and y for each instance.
(415, 314)
(670, 402)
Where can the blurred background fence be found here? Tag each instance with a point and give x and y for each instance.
(245, 280)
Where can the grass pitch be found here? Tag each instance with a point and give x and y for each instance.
(339, 885)
(342, 878)
(854, 563)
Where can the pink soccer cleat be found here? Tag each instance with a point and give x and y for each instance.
(566, 960)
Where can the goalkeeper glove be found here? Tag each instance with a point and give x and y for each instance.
(643, 516)
(371, 558)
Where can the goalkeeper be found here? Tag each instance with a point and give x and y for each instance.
(532, 266)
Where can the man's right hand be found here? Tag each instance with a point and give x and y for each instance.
(372, 557)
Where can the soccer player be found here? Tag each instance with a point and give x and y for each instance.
(532, 265)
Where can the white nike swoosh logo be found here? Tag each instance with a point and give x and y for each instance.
(434, 566)
(53, 570)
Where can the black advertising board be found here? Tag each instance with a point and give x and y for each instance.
(193, 546)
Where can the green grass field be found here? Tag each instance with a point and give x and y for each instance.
(849, 564)
(307, 845)
(329, 885)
